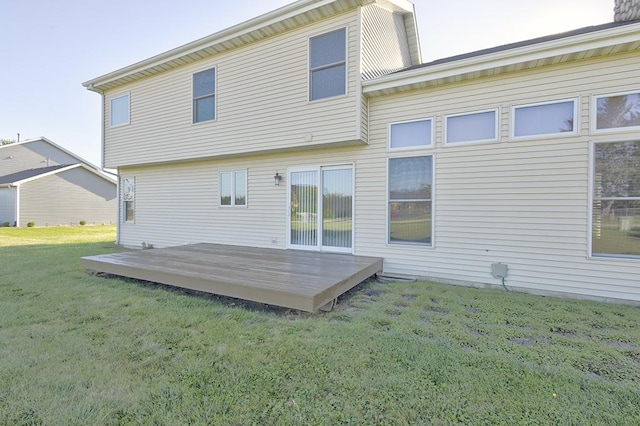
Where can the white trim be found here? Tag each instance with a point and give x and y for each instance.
(496, 128)
(576, 122)
(432, 135)
(318, 169)
(594, 113)
(233, 204)
(113, 98)
(532, 55)
(215, 95)
(432, 244)
(346, 64)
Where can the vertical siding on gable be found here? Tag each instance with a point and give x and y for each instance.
(385, 48)
(67, 198)
(7, 205)
(262, 104)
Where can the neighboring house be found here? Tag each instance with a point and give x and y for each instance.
(317, 127)
(44, 183)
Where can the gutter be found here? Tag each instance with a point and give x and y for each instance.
(530, 53)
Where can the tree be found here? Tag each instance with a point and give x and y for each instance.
(6, 141)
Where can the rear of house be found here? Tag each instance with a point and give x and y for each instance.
(308, 129)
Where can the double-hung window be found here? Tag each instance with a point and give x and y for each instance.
(410, 200)
(204, 95)
(328, 65)
(120, 110)
(615, 220)
(233, 188)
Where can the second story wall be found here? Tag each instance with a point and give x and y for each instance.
(262, 104)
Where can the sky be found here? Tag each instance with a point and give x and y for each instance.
(49, 48)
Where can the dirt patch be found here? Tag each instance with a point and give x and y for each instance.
(523, 341)
(619, 344)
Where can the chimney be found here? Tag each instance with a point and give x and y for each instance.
(626, 10)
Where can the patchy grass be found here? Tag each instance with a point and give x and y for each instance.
(76, 348)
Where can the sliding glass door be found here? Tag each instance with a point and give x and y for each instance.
(321, 208)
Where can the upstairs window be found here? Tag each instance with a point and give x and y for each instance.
(328, 65)
(556, 118)
(204, 96)
(233, 188)
(410, 134)
(120, 110)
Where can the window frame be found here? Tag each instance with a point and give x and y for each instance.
(410, 148)
(592, 199)
(594, 113)
(128, 198)
(344, 62)
(432, 243)
(496, 127)
(214, 95)
(233, 173)
(114, 98)
(576, 122)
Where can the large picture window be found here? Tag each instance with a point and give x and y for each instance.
(616, 199)
(557, 118)
(474, 127)
(233, 188)
(410, 134)
(328, 65)
(617, 112)
(410, 200)
(120, 110)
(204, 96)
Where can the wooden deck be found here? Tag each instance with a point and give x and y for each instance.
(294, 279)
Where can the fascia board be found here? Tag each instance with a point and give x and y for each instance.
(583, 42)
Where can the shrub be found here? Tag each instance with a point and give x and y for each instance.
(6, 224)
(83, 222)
(31, 224)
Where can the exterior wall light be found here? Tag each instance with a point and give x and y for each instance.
(277, 178)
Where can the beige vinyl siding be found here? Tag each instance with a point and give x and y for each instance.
(385, 48)
(524, 203)
(262, 104)
(178, 204)
(31, 155)
(66, 198)
(8, 205)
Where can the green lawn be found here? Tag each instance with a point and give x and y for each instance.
(79, 349)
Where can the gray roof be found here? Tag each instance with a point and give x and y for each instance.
(524, 43)
(26, 174)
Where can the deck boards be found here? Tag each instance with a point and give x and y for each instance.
(289, 278)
